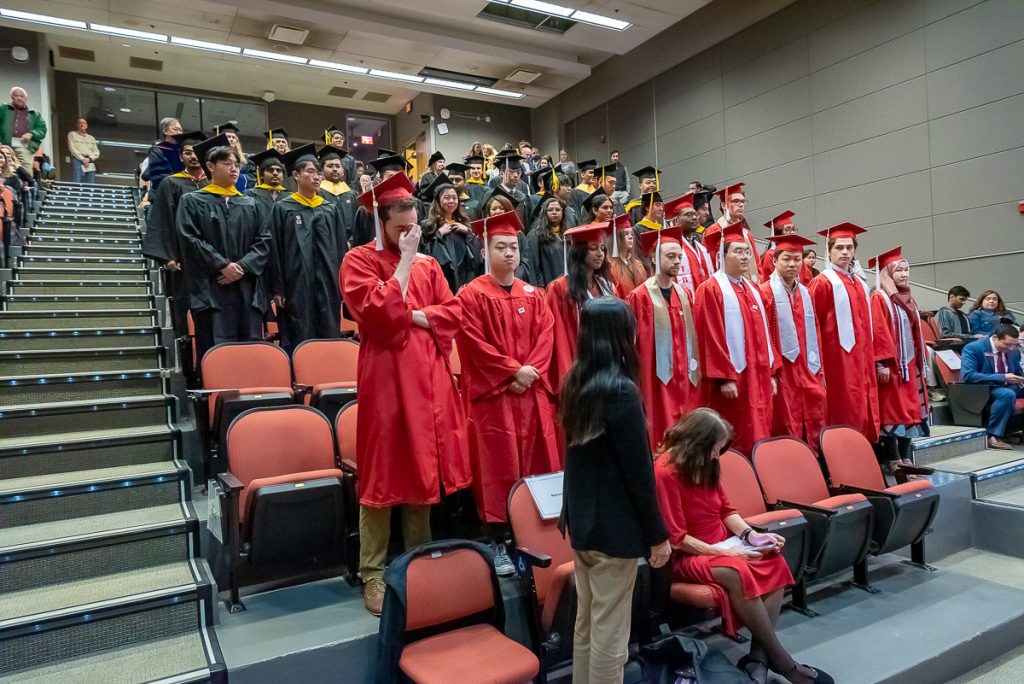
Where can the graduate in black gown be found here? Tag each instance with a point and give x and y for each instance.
(247, 175)
(456, 173)
(308, 242)
(436, 166)
(335, 188)
(387, 164)
(161, 242)
(335, 137)
(476, 182)
(270, 179)
(447, 236)
(225, 247)
(585, 188)
(649, 179)
(544, 248)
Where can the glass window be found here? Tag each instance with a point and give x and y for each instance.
(365, 135)
(250, 117)
(123, 121)
(184, 108)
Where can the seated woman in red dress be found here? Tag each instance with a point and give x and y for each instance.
(749, 584)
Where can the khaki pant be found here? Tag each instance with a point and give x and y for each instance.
(604, 587)
(375, 533)
(25, 157)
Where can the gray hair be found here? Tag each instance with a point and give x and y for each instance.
(165, 123)
(16, 88)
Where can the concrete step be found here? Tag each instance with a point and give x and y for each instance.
(946, 442)
(83, 272)
(83, 302)
(81, 387)
(70, 287)
(67, 250)
(32, 322)
(51, 241)
(33, 259)
(54, 418)
(44, 362)
(82, 231)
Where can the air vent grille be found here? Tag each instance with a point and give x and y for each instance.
(338, 91)
(376, 97)
(148, 64)
(76, 53)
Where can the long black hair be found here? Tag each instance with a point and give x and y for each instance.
(435, 218)
(606, 362)
(542, 226)
(577, 276)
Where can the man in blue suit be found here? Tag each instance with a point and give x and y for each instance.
(995, 361)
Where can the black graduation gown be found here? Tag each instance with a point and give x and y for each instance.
(477, 191)
(347, 203)
(576, 199)
(457, 253)
(268, 198)
(426, 179)
(307, 246)
(215, 231)
(545, 258)
(161, 242)
(470, 206)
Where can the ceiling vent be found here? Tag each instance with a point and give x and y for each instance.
(338, 91)
(457, 76)
(76, 53)
(148, 64)
(376, 97)
(523, 76)
(288, 34)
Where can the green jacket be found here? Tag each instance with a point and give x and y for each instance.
(36, 126)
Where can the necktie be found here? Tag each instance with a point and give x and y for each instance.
(1000, 362)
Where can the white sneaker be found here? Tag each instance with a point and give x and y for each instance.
(502, 563)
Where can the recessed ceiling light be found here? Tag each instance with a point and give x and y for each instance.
(126, 110)
(128, 33)
(110, 90)
(203, 45)
(274, 56)
(599, 20)
(441, 83)
(41, 19)
(337, 66)
(499, 93)
(395, 76)
(546, 7)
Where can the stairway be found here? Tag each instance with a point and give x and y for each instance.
(100, 573)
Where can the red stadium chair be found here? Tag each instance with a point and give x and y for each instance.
(238, 376)
(453, 631)
(282, 498)
(345, 436)
(326, 371)
(841, 526)
(744, 493)
(903, 513)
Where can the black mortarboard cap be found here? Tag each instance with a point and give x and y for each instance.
(276, 133)
(427, 194)
(436, 157)
(334, 129)
(330, 151)
(183, 138)
(225, 127)
(507, 158)
(266, 158)
(475, 159)
(385, 152)
(392, 161)
(456, 168)
(649, 198)
(593, 199)
(646, 172)
(303, 153)
(586, 165)
(496, 192)
(203, 148)
(606, 170)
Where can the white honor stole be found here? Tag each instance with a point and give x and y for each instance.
(844, 310)
(903, 336)
(788, 338)
(735, 334)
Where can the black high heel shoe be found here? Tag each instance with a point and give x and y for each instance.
(820, 676)
(762, 667)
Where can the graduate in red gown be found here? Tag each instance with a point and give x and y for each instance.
(799, 404)
(666, 337)
(902, 395)
(411, 441)
(588, 275)
(627, 263)
(733, 203)
(738, 360)
(505, 344)
(748, 576)
(783, 224)
(697, 265)
(843, 309)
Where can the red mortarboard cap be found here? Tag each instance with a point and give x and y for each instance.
(507, 225)
(622, 222)
(649, 239)
(394, 188)
(783, 219)
(885, 258)
(734, 233)
(673, 207)
(591, 232)
(735, 187)
(843, 230)
(791, 243)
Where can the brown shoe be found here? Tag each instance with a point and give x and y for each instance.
(996, 443)
(373, 596)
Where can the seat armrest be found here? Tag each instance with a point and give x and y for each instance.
(904, 471)
(804, 508)
(534, 558)
(301, 388)
(230, 482)
(868, 493)
(349, 466)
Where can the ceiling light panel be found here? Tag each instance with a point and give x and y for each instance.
(540, 6)
(128, 33)
(395, 76)
(274, 56)
(203, 45)
(337, 66)
(33, 18)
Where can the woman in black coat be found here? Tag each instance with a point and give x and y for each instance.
(610, 506)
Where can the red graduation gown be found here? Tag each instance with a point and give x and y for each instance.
(755, 258)
(799, 404)
(566, 330)
(411, 432)
(767, 267)
(899, 400)
(511, 435)
(698, 270)
(664, 403)
(751, 413)
(852, 397)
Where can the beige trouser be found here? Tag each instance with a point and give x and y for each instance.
(375, 533)
(25, 157)
(604, 587)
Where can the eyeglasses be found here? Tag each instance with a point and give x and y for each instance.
(231, 164)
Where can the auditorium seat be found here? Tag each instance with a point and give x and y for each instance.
(282, 500)
(454, 618)
(840, 525)
(326, 371)
(345, 437)
(903, 513)
(238, 376)
(743, 491)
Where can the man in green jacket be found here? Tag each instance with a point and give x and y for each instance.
(21, 128)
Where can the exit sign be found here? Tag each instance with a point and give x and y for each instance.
(366, 139)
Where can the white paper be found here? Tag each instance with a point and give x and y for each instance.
(950, 358)
(16, 142)
(213, 520)
(547, 494)
(88, 168)
(736, 543)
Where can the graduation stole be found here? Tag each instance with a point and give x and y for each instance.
(335, 188)
(698, 250)
(663, 333)
(632, 205)
(844, 310)
(904, 336)
(272, 188)
(734, 331)
(306, 202)
(789, 341)
(475, 181)
(647, 223)
(223, 192)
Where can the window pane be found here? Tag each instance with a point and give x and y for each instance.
(365, 135)
(184, 108)
(123, 121)
(250, 117)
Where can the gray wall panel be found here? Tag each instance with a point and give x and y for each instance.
(887, 201)
(882, 112)
(775, 108)
(776, 68)
(875, 24)
(782, 183)
(771, 148)
(989, 25)
(985, 78)
(632, 132)
(685, 107)
(915, 235)
(894, 62)
(780, 29)
(940, 9)
(960, 233)
(821, 14)
(885, 156)
(998, 273)
(707, 168)
(977, 182)
(986, 129)
(689, 141)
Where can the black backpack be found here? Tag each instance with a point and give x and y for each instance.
(674, 657)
